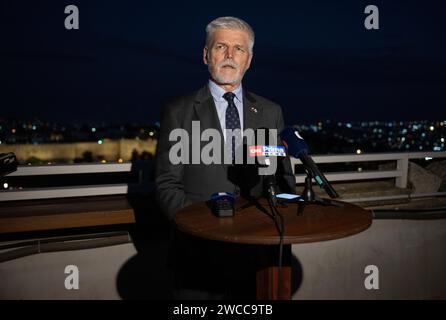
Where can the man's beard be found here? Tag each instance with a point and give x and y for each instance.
(226, 79)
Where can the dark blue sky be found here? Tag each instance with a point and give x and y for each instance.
(315, 58)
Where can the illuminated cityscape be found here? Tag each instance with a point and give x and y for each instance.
(36, 142)
(375, 136)
(323, 137)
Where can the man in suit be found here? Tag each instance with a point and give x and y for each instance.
(222, 104)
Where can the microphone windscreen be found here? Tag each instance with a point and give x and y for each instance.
(293, 142)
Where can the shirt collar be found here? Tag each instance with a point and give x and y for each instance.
(217, 92)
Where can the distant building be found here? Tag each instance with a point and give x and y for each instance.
(106, 149)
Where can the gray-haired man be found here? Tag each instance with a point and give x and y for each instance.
(221, 104)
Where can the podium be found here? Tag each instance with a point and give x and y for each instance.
(249, 225)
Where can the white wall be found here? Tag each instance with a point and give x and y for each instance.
(410, 256)
(41, 276)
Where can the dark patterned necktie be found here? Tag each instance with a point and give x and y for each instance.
(232, 120)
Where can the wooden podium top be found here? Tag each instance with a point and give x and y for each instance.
(252, 226)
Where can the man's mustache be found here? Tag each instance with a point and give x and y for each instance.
(228, 62)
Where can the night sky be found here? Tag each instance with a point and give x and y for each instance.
(314, 58)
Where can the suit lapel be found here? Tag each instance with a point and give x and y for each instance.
(252, 111)
(207, 114)
(205, 110)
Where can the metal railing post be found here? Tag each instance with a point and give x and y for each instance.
(403, 166)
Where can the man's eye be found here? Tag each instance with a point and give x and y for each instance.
(220, 46)
(240, 49)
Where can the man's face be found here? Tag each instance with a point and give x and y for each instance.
(228, 56)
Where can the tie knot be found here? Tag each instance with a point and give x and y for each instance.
(229, 96)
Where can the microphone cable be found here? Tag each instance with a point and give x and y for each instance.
(280, 226)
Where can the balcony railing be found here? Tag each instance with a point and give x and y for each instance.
(144, 185)
(400, 174)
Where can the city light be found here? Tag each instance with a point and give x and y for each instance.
(428, 158)
(103, 161)
(343, 136)
(5, 185)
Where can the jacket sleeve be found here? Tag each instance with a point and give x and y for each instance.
(170, 193)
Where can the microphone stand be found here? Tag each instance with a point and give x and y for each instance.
(310, 197)
(252, 201)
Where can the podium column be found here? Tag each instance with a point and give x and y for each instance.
(273, 283)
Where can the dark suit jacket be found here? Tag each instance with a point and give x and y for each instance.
(180, 185)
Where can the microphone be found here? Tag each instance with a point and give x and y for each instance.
(271, 188)
(269, 181)
(8, 163)
(298, 148)
(264, 153)
(222, 204)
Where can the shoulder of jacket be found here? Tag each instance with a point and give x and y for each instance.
(181, 103)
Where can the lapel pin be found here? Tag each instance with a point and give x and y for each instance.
(253, 109)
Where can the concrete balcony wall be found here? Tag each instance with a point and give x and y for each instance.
(410, 256)
(41, 276)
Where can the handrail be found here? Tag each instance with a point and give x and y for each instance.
(363, 157)
(400, 174)
(143, 185)
(71, 169)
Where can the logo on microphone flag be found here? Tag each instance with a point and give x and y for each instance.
(267, 151)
